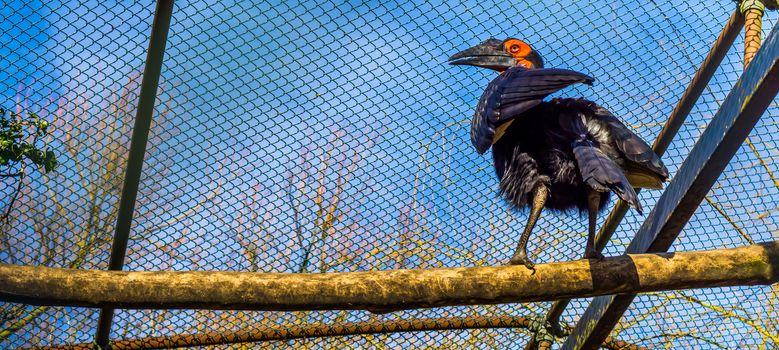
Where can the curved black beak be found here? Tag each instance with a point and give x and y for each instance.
(488, 54)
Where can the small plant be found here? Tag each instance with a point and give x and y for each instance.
(15, 132)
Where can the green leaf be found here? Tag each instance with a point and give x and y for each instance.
(49, 161)
(15, 133)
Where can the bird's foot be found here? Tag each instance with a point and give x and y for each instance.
(522, 259)
(593, 254)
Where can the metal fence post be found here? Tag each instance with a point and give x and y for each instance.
(143, 117)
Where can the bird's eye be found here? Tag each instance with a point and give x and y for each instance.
(514, 48)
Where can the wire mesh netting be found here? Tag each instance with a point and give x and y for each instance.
(331, 136)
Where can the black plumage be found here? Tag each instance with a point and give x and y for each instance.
(515, 91)
(551, 144)
(560, 154)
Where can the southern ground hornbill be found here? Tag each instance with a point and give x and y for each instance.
(560, 154)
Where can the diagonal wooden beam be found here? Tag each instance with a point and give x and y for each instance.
(739, 113)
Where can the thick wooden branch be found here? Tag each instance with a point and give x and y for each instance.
(390, 290)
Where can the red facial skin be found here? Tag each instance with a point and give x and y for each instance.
(519, 49)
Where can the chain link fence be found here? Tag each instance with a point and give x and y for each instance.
(326, 136)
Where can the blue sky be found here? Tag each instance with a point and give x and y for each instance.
(261, 91)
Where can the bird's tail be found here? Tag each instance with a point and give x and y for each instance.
(602, 174)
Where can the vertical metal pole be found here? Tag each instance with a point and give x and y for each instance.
(148, 94)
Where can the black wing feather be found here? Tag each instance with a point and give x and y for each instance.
(521, 84)
(602, 174)
(632, 147)
(514, 92)
(598, 171)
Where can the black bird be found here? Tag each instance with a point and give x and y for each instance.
(560, 154)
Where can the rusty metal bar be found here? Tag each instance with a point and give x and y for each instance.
(753, 14)
(264, 333)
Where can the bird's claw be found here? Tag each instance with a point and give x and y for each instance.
(593, 254)
(522, 259)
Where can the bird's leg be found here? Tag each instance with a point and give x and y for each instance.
(520, 254)
(593, 202)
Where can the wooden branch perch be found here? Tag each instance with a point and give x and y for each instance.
(390, 290)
